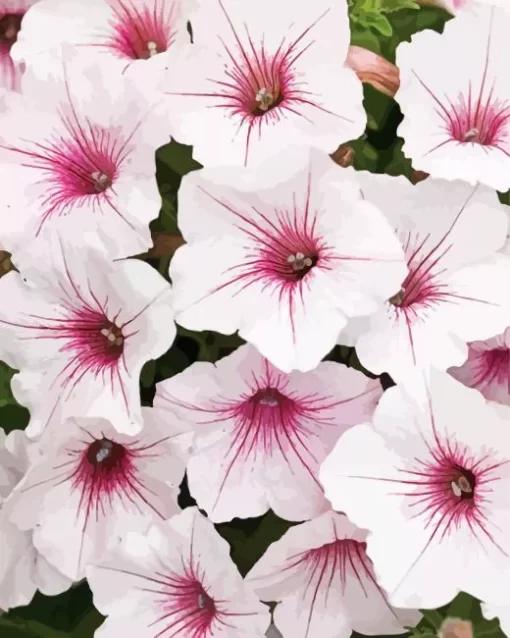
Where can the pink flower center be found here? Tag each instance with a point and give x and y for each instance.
(82, 169)
(105, 471)
(142, 32)
(78, 166)
(450, 488)
(490, 367)
(478, 121)
(185, 605)
(338, 566)
(261, 82)
(10, 25)
(423, 283)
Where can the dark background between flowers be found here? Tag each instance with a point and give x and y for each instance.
(378, 25)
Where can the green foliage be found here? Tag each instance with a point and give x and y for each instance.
(12, 415)
(372, 14)
(463, 607)
(70, 615)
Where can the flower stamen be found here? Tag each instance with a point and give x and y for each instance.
(265, 99)
(299, 262)
(152, 48)
(473, 135)
(113, 335)
(101, 181)
(463, 486)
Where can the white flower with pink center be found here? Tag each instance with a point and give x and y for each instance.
(176, 581)
(80, 160)
(430, 479)
(22, 569)
(80, 330)
(92, 484)
(131, 33)
(12, 13)
(259, 76)
(284, 254)
(260, 434)
(487, 368)
(324, 583)
(457, 287)
(455, 97)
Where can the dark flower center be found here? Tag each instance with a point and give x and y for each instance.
(100, 181)
(268, 396)
(9, 29)
(463, 484)
(205, 602)
(300, 264)
(266, 100)
(114, 338)
(105, 455)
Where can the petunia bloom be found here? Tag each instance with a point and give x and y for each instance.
(259, 76)
(134, 34)
(178, 580)
(324, 583)
(91, 484)
(487, 368)
(455, 96)
(79, 330)
(430, 479)
(284, 254)
(22, 569)
(78, 152)
(12, 13)
(260, 434)
(456, 290)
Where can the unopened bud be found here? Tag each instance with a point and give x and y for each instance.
(418, 176)
(343, 156)
(455, 628)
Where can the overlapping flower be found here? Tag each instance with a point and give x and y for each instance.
(395, 499)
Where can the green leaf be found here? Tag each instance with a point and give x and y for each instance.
(363, 37)
(462, 606)
(6, 374)
(389, 6)
(247, 549)
(69, 615)
(378, 22)
(14, 417)
(178, 158)
(504, 198)
(148, 374)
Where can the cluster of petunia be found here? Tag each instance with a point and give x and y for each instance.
(401, 498)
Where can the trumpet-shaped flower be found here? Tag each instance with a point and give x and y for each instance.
(77, 151)
(176, 581)
(456, 290)
(455, 97)
(430, 479)
(284, 254)
(133, 34)
(89, 485)
(259, 76)
(324, 583)
(79, 331)
(260, 434)
(487, 368)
